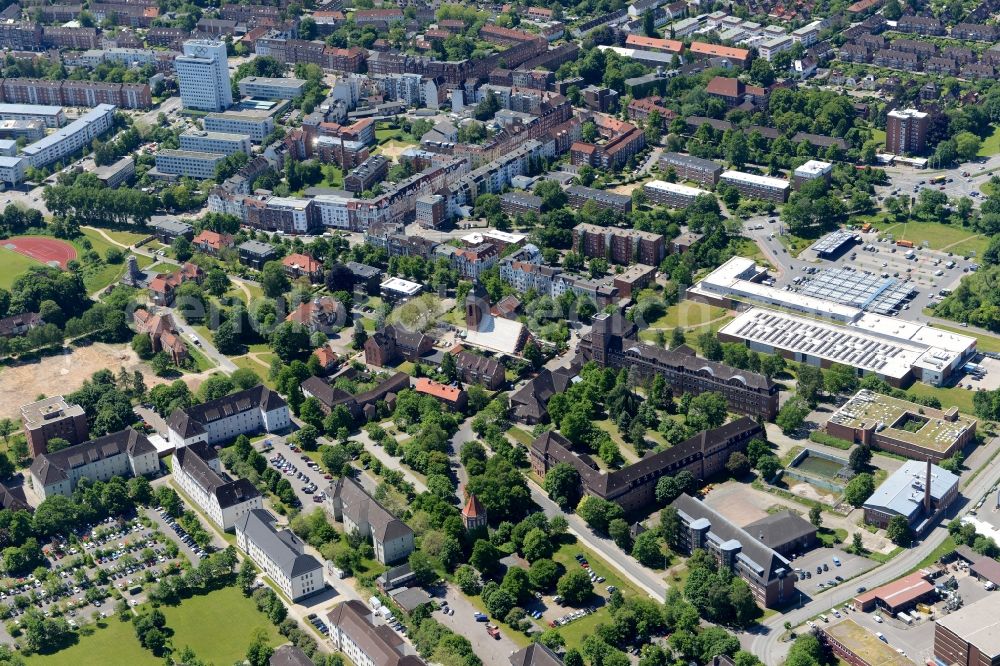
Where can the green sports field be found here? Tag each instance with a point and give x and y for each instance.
(12, 265)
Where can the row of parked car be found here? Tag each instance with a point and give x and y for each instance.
(182, 534)
(320, 625)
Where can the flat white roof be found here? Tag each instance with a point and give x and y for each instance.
(496, 334)
(478, 237)
(754, 179)
(886, 346)
(677, 188)
(734, 279)
(907, 113)
(813, 168)
(31, 109)
(399, 285)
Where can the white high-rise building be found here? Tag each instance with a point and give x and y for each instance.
(203, 76)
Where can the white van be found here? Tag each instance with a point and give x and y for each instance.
(824, 618)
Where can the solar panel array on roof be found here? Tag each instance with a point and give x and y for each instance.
(839, 345)
(859, 289)
(832, 242)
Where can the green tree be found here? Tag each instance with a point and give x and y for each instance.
(575, 587)
(792, 415)
(859, 489)
(260, 651)
(707, 410)
(274, 280)
(860, 456)
(898, 531)
(815, 515)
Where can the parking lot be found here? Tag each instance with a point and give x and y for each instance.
(308, 479)
(822, 558)
(126, 556)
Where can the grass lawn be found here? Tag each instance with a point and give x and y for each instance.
(123, 237)
(749, 249)
(575, 632)
(991, 146)
(946, 547)
(938, 236)
(204, 363)
(114, 644)
(989, 343)
(959, 397)
(688, 314)
(520, 435)
(387, 134)
(794, 244)
(261, 371)
(12, 265)
(332, 177)
(878, 136)
(196, 624)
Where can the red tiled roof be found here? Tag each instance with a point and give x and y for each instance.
(702, 48)
(326, 356)
(302, 262)
(642, 42)
(583, 148)
(473, 508)
(724, 86)
(438, 390)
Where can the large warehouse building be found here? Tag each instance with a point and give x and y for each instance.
(895, 350)
(970, 636)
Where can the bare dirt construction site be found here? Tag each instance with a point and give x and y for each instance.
(65, 373)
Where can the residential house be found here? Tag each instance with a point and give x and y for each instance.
(323, 314)
(450, 396)
(212, 242)
(302, 265)
(477, 369)
(255, 254)
(163, 334)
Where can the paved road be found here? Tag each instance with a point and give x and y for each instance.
(206, 346)
(766, 644)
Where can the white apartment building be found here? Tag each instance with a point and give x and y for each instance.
(203, 76)
(199, 474)
(67, 140)
(271, 88)
(124, 453)
(353, 631)
(52, 116)
(241, 413)
(215, 142)
(348, 502)
(413, 89)
(12, 170)
(333, 211)
(773, 46)
(190, 163)
(280, 554)
(255, 125)
(808, 34)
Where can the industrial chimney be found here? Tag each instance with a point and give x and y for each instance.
(927, 490)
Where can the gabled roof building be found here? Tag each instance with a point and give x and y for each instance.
(199, 473)
(245, 412)
(280, 554)
(124, 453)
(634, 487)
(348, 502)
